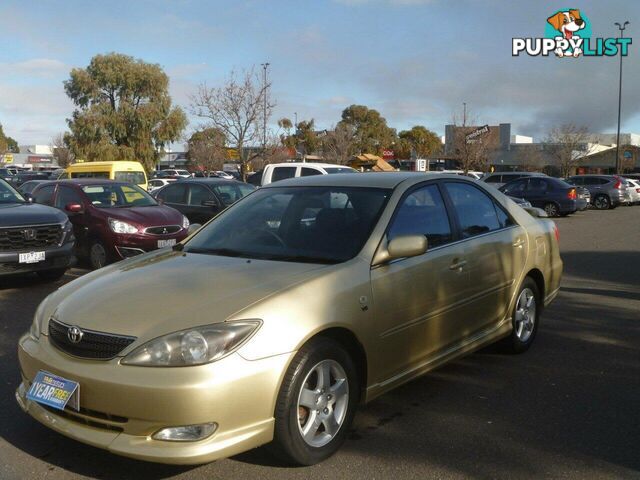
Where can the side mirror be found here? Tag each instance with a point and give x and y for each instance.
(28, 197)
(400, 247)
(74, 208)
(193, 228)
(210, 203)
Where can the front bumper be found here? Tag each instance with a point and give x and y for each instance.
(126, 246)
(123, 406)
(55, 258)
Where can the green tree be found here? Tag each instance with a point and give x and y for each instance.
(7, 144)
(207, 148)
(123, 112)
(420, 141)
(304, 140)
(371, 132)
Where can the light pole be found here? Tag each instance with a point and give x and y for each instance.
(618, 163)
(264, 108)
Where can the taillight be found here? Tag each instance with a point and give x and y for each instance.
(618, 184)
(638, 190)
(572, 194)
(556, 232)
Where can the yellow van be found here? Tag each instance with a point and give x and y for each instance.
(122, 171)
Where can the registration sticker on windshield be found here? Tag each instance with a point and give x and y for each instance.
(54, 391)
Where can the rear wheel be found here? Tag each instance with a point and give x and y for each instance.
(51, 275)
(98, 256)
(551, 209)
(525, 318)
(602, 202)
(316, 403)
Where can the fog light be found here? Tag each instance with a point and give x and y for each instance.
(187, 433)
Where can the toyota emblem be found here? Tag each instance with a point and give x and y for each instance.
(74, 334)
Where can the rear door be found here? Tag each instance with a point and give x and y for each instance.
(538, 191)
(202, 204)
(495, 251)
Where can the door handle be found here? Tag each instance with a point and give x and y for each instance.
(457, 264)
(519, 243)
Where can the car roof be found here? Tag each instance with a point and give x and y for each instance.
(209, 180)
(309, 164)
(88, 181)
(367, 179)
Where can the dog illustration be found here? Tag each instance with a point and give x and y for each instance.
(567, 23)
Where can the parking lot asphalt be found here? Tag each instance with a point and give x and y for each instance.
(568, 408)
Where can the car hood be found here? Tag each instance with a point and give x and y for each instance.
(22, 214)
(163, 292)
(151, 216)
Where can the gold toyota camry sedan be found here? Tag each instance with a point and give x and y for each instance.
(282, 314)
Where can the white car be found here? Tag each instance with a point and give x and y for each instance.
(221, 174)
(633, 187)
(157, 183)
(281, 171)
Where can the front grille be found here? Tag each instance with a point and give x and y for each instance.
(167, 230)
(14, 239)
(93, 345)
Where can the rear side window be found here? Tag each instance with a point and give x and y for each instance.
(281, 173)
(90, 175)
(475, 209)
(173, 193)
(199, 194)
(137, 178)
(538, 185)
(67, 196)
(494, 179)
(44, 195)
(308, 172)
(423, 213)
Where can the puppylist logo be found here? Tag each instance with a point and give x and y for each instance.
(568, 34)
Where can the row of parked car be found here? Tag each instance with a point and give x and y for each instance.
(559, 197)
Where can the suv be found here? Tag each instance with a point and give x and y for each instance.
(113, 220)
(498, 179)
(33, 238)
(607, 191)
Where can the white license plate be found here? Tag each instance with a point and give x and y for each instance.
(166, 243)
(31, 257)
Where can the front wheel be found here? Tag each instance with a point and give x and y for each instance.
(98, 256)
(316, 403)
(525, 318)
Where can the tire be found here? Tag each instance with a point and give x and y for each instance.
(524, 319)
(51, 275)
(304, 390)
(552, 209)
(602, 202)
(98, 255)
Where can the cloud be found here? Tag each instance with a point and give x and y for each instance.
(355, 3)
(39, 67)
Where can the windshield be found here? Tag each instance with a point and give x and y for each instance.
(331, 170)
(131, 177)
(117, 196)
(296, 224)
(8, 194)
(232, 192)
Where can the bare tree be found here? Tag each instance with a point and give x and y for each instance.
(531, 159)
(237, 108)
(568, 145)
(207, 149)
(472, 148)
(339, 144)
(62, 154)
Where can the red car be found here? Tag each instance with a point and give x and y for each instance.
(113, 220)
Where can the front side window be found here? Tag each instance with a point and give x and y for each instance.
(515, 188)
(332, 170)
(231, 193)
(308, 172)
(117, 196)
(423, 212)
(67, 196)
(301, 224)
(44, 195)
(199, 194)
(475, 209)
(174, 193)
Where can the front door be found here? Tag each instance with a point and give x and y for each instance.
(419, 301)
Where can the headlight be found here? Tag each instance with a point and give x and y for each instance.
(194, 346)
(118, 226)
(67, 226)
(185, 222)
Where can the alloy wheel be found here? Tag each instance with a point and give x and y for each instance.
(98, 256)
(601, 202)
(551, 209)
(525, 316)
(322, 403)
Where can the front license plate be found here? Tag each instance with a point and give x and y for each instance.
(166, 243)
(31, 257)
(54, 391)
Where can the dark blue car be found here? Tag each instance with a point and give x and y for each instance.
(553, 195)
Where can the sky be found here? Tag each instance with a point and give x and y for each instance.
(415, 61)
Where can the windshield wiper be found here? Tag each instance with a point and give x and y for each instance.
(225, 252)
(305, 259)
